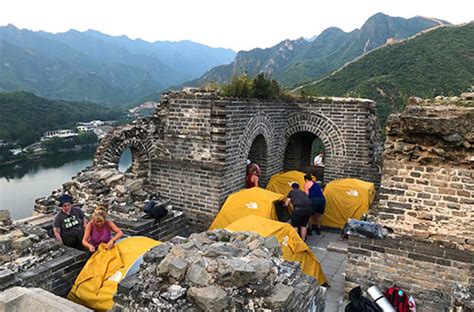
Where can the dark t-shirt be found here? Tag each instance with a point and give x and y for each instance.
(299, 199)
(71, 224)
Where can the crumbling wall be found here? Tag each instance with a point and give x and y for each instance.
(427, 198)
(219, 271)
(193, 150)
(28, 257)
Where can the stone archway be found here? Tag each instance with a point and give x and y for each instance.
(301, 130)
(113, 145)
(257, 144)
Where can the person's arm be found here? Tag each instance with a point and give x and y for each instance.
(306, 188)
(57, 228)
(85, 238)
(82, 216)
(254, 180)
(118, 233)
(57, 234)
(287, 202)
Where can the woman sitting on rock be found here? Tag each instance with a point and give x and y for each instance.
(99, 231)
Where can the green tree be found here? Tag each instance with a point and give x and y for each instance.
(86, 138)
(239, 86)
(260, 87)
(55, 144)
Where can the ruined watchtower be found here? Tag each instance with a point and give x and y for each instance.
(194, 148)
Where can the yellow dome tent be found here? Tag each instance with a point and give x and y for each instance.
(292, 246)
(346, 198)
(98, 281)
(281, 182)
(252, 201)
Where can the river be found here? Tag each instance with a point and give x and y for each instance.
(22, 183)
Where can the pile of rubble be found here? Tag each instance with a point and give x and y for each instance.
(466, 99)
(219, 271)
(123, 193)
(23, 246)
(437, 131)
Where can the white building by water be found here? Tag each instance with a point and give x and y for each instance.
(58, 134)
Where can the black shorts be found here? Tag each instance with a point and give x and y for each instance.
(319, 204)
(300, 216)
(73, 241)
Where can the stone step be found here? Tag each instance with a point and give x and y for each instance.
(339, 247)
(35, 300)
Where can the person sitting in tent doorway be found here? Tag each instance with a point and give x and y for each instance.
(252, 175)
(315, 193)
(319, 160)
(302, 209)
(98, 231)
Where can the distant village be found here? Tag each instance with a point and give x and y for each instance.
(98, 127)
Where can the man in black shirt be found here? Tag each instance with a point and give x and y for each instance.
(302, 209)
(68, 225)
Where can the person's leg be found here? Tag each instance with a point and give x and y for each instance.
(303, 232)
(317, 216)
(309, 227)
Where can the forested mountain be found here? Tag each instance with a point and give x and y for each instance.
(439, 62)
(96, 67)
(292, 62)
(25, 117)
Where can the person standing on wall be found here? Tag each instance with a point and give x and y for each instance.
(319, 160)
(315, 193)
(302, 209)
(68, 224)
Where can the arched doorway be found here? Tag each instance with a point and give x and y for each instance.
(300, 151)
(126, 161)
(258, 154)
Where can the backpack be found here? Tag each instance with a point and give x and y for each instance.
(398, 298)
(360, 303)
(281, 211)
(155, 210)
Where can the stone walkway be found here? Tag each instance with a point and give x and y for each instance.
(334, 266)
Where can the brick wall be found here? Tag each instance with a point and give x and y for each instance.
(427, 271)
(427, 198)
(195, 146)
(173, 224)
(56, 276)
(432, 202)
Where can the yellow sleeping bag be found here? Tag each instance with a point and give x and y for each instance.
(292, 246)
(281, 182)
(346, 198)
(252, 201)
(98, 281)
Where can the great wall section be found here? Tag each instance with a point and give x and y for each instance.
(192, 151)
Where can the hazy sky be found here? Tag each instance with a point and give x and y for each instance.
(236, 24)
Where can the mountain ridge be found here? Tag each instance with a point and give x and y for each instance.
(437, 62)
(308, 60)
(135, 66)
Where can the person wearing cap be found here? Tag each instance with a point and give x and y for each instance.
(68, 224)
(302, 209)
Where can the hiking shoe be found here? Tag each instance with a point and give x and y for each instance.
(318, 231)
